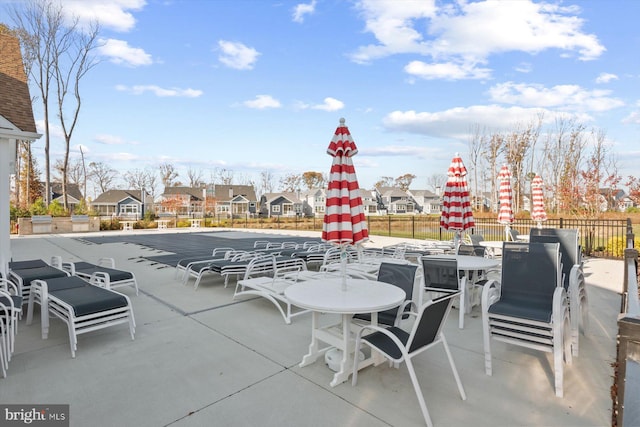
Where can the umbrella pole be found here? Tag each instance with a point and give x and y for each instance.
(506, 232)
(343, 266)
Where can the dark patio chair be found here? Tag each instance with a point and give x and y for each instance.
(529, 308)
(573, 276)
(404, 277)
(23, 272)
(103, 271)
(399, 345)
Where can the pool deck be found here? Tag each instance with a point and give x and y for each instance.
(200, 358)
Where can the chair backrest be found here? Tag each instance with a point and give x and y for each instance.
(569, 246)
(513, 235)
(476, 238)
(530, 272)
(440, 273)
(429, 322)
(400, 275)
(472, 250)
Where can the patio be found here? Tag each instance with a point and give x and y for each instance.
(200, 358)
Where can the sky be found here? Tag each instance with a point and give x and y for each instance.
(250, 86)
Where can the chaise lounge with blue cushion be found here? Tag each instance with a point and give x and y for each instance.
(84, 307)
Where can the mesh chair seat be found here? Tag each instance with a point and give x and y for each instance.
(90, 299)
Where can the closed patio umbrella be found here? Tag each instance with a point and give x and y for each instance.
(456, 207)
(538, 213)
(505, 215)
(344, 219)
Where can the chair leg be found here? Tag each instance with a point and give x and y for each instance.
(463, 395)
(416, 387)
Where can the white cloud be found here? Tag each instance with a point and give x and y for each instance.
(468, 33)
(263, 102)
(237, 55)
(606, 78)
(446, 70)
(524, 67)
(110, 140)
(633, 118)
(456, 122)
(302, 9)
(160, 92)
(329, 104)
(119, 52)
(55, 130)
(113, 14)
(572, 97)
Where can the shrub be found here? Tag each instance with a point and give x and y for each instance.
(617, 245)
(56, 209)
(38, 207)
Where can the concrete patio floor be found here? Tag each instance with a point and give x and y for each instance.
(200, 358)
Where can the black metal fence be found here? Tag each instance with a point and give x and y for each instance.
(599, 237)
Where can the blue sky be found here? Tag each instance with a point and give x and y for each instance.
(251, 86)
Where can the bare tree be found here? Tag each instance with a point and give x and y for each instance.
(476, 146)
(518, 147)
(222, 176)
(291, 182)
(494, 147)
(266, 182)
(384, 181)
(61, 52)
(38, 23)
(436, 182)
(168, 174)
(195, 178)
(101, 175)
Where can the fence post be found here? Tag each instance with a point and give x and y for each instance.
(630, 235)
(413, 227)
(389, 224)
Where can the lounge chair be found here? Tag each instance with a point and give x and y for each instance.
(398, 345)
(267, 278)
(573, 276)
(11, 299)
(23, 272)
(185, 264)
(530, 307)
(235, 263)
(104, 272)
(84, 307)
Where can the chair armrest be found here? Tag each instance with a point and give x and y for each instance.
(7, 286)
(490, 294)
(107, 262)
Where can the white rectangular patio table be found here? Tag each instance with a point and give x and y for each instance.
(325, 295)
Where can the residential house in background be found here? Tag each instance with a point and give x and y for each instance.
(181, 202)
(369, 202)
(285, 204)
(427, 202)
(395, 201)
(74, 195)
(125, 204)
(614, 199)
(313, 201)
(236, 200)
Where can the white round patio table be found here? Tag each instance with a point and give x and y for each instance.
(325, 295)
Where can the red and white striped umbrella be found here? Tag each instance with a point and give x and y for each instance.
(456, 206)
(344, 219)
(505, 215)
(537, 194)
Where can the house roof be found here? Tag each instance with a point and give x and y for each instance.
(391, 192)
(73, 190)
(111, 197)
(291, 196)
(15, 101)
(425, 194)
(226, 193)
(194, 192)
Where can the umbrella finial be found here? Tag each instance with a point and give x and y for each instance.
(342, 121)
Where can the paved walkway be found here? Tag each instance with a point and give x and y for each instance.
(200, 359)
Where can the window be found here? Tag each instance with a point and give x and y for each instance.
(275, 208)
